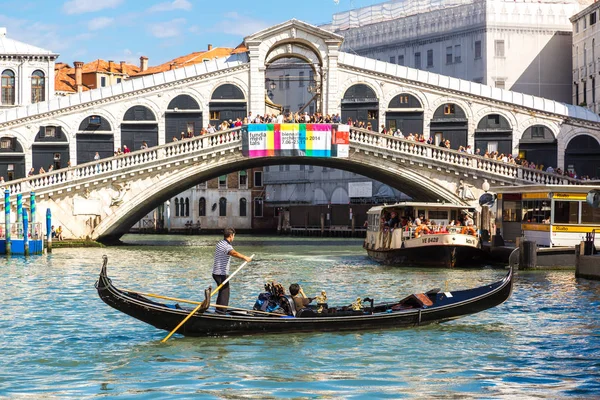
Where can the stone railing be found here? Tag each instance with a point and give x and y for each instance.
(113, 165)
(446, 157)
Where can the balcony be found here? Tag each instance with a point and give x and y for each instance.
(576, 75)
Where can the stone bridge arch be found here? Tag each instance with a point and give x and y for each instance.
(142, 193)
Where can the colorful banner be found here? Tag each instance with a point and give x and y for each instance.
(309, 140)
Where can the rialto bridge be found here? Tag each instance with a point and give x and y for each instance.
(103, 199)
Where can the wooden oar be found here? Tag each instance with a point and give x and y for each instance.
(200, 305)
(200, 302)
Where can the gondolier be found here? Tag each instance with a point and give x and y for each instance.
(223, 253)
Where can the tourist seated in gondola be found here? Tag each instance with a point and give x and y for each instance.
(300, 299)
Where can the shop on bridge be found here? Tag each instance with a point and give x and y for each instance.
(12, 159)
(183, 115)
(139, 125)
(227, 103)
(95, 134)
(538, 145)
(50, 148)
(404, 112)
(360, 103)
(583, 156)
(450, 122)
(493, 133)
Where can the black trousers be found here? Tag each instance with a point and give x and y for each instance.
(223, 295)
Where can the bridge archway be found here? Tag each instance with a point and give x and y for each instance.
(227, 102)
(155, 192)
(583, 156)
(404, 112)
(139, 125)
(539, 145)
(493, 134)
(12, 158)
(293, 78)
(95, 134)
(450, 122)
(183, 115)
(50, 148)
(361, 105)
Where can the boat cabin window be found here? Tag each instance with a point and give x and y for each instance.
(566, 212)
(536, 211)
(589, 215)
(373, 222)
(511, 211)
(438, 215)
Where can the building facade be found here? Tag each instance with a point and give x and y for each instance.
(27, 73)
(519, 46)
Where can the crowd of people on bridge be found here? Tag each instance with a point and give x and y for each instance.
(305, 117)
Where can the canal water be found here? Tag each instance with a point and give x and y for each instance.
(59, 340)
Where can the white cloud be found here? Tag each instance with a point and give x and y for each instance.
(167, 29)
(85, 6)
(236, 24)
(171, 6)
(99, 23)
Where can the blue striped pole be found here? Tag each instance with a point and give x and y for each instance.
(7, 220)
(19, 214)
(32, 206)
(25, 232)
(49, 230)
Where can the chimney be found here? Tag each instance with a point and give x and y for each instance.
(78, 76)
(111, 64)
(143, 63)
(209, 47)
(3, 32)
(172, 66)
(122, 67)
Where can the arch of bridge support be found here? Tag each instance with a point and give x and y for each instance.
(168, 186)
(293, 50)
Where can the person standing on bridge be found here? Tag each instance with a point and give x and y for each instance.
(223, 253)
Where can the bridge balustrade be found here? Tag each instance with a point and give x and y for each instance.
(113, 164)
(453, 157)
(417, 150)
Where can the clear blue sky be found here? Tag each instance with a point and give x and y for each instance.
(123, 30)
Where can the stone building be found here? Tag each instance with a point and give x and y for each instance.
(585, 70)
(27, 73)
(521, 46)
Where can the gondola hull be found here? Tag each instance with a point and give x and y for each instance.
(445, 306)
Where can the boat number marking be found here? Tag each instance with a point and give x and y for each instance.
(430, 240)
(469, 241)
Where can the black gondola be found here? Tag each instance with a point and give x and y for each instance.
(414, 310)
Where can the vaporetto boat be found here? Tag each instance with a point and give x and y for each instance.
(439, 240)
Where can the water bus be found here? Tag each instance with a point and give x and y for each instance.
(439, 238)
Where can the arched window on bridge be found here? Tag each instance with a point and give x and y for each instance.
(202, 207)
(583, 156)
(187, 207)
(222, 207)
(176, 207)
(242, 207)
(538, 145)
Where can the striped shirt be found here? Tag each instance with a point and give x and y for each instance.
(222, 258)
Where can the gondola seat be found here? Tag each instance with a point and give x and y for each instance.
(287, 303)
